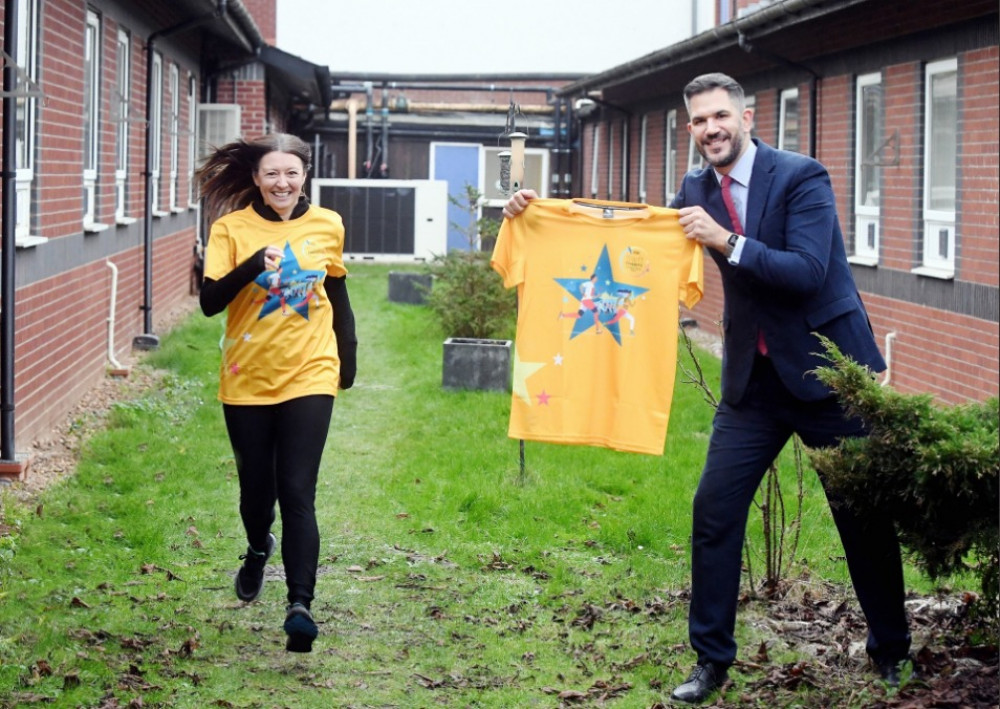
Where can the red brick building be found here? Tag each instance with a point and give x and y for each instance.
(900, 102)
(107, 107)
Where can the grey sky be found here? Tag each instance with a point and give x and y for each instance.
(475, 37)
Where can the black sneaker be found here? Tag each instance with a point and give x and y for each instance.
(300, 628)
(250, 577)
(896, 672)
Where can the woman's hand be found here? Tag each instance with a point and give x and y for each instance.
(272, 257)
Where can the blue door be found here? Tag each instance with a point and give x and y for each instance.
(458, 165)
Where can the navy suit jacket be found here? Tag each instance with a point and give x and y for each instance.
(793, 278)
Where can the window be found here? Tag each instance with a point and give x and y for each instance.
(26, 107)
(192, 136)
(940, 167)
(175, 135)
(868, 148)
(156, 130)
(670, 157)
(624, 168)
(91, 119)
(595, 147)
(725, 11)
(695, 160)
(643, 128)
(611, 160)
(122, 117)
(788, 127)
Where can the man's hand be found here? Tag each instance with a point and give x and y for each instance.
(700, 227)
(517, 203)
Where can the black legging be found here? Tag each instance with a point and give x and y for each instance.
(278, 448)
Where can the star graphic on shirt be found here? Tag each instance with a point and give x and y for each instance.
(247, 336)
(234, 368)
(290, 288)
(557, 360)
(607, 294)
(523, 370)
(543, 398)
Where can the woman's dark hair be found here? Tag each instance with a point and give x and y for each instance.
(225, 178)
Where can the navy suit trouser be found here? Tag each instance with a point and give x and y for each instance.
(745, 440)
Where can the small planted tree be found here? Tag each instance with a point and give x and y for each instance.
(468, 296)
(934, 469)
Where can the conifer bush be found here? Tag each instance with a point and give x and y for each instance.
(934, 468)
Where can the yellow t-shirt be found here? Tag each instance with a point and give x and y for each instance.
(596, 346)
(279, 342)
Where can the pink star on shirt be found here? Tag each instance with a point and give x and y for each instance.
(234, 368)
(543, 398)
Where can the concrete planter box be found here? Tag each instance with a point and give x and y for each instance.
(408, 287)
(476, 364)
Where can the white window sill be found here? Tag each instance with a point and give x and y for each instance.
(28, 242)
(193, 206)
(94, 228)
(160, 215)
(863, 260)
(125, 221)
(177, 210)
(945, 274)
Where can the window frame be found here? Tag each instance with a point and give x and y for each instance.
(91, 119)
(670, 156)
(26, 119)
(595, 160)
(786, 98)
(122, 118)
(155, 129)
(867, 217)
(937, 221)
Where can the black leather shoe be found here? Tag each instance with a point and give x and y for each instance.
(700, 684)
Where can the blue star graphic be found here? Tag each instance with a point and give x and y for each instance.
(288, 288)
(607, 293)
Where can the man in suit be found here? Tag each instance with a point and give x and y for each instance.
(785, 276)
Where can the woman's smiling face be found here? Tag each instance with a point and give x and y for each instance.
(280, 177)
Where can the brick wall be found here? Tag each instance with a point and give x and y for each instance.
(979, 178)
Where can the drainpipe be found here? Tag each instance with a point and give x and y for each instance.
(9, 236)
(148, 340)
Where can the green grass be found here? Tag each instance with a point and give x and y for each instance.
(448, 577)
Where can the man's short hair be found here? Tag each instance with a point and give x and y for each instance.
(710, 82)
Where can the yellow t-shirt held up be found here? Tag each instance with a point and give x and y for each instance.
(596, 347)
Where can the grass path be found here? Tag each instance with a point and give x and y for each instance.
(447, 577)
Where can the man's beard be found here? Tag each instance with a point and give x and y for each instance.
(736, 147)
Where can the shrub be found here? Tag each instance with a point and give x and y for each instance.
(934, 468)
(467, 295)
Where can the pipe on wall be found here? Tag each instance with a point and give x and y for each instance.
(117, 369)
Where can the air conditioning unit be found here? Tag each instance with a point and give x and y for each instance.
(388, 219)
(218, 124)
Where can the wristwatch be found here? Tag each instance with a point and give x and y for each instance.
(731, 244)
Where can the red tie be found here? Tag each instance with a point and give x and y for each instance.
(734, 217)
(727, 197)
